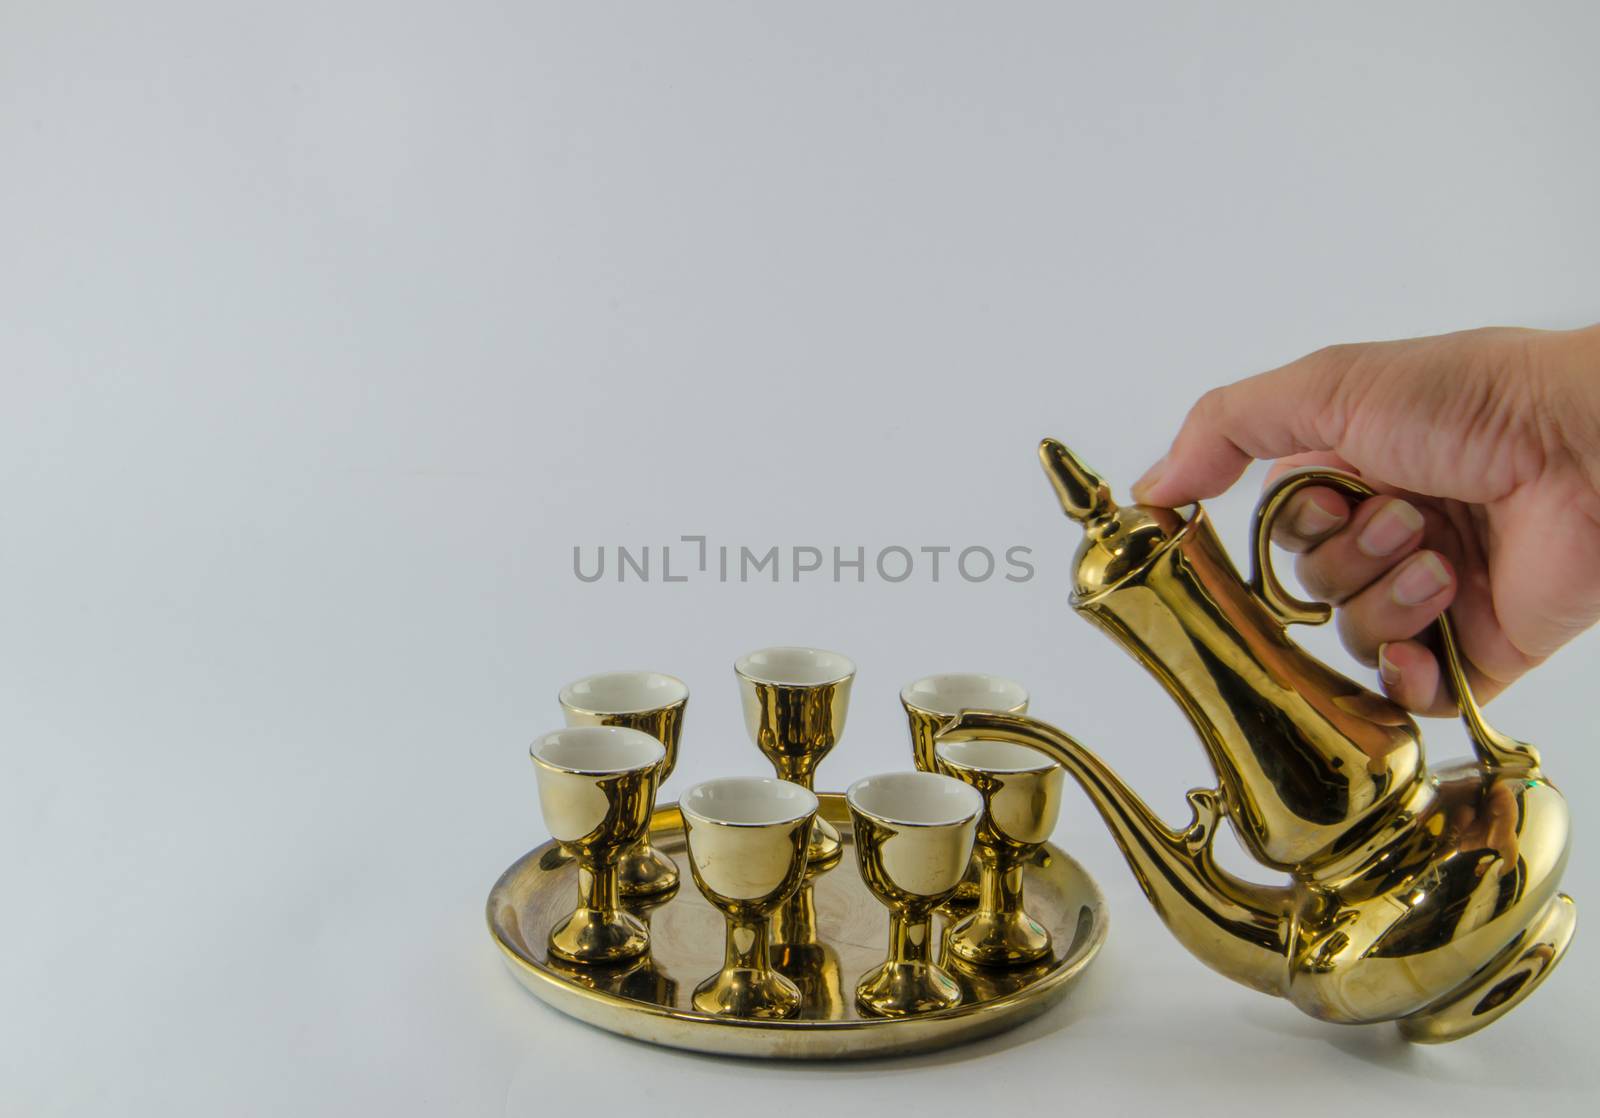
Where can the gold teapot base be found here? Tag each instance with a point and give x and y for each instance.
(1500, 987)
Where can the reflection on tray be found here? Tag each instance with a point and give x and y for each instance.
(824, 940)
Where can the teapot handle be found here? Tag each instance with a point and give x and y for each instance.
(1494, 749)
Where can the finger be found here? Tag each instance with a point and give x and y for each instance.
(1383, 531)
(1410, 676)
(1311, 516)
(1324, 458)
(1477, 612)
(1298, 529)
(1398, 606)
(1270, 415)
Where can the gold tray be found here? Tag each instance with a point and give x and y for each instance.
(649, 999)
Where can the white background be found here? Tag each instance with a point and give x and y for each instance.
(328, 330)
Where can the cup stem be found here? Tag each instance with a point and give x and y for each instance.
(1000, 933)
(908, 938)
(797, 770)
(797, 917)
(756, 955)
(597, 884)
(999, 884)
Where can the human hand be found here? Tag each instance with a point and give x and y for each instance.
(1484, 447)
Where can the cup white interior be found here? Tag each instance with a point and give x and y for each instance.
(915, 799)
(954, 692)
(795, 667)
(624, 692)
(992, 757)
(598, 749)
(748, 801)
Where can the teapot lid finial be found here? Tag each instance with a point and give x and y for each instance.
(1118, 540)
(1083, 494)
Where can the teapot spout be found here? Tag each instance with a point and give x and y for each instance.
(1237, 928)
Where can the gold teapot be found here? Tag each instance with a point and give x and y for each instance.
(1426, 897)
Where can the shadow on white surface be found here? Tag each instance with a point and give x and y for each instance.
(1514, 1053)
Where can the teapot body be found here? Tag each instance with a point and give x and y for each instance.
(1428, 898)
(1447, 920)
(1309, 762)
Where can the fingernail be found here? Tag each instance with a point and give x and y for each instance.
(1387, 671)
(1142, 487)
(1313, 521)
(1421, 578)
(1389, 529)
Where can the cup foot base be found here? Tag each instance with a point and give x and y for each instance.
(995, 939)
(903, 989)
(592, 936)
(763, 995)
(646, 872)
(825, 847)
(1503, 985)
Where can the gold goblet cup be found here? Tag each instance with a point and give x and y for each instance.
(1021, 790)
(654, 703)
(933, 700)
(597, 785)
(914, 833)
(795, 700)
(746, 841)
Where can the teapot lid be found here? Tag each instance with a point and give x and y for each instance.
(1118, 540)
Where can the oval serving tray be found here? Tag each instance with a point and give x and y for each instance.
(824, 941)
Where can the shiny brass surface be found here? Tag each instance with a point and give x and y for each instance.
(914, 834)
(648, 701)
(747, 841)
(1427, 897)
(1021, 790)
(801, 955)
(651, 998)
(795, 701)
(929, 702)
(597, 786)
(1496, 750)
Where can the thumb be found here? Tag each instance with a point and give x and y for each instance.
(1270, 415)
